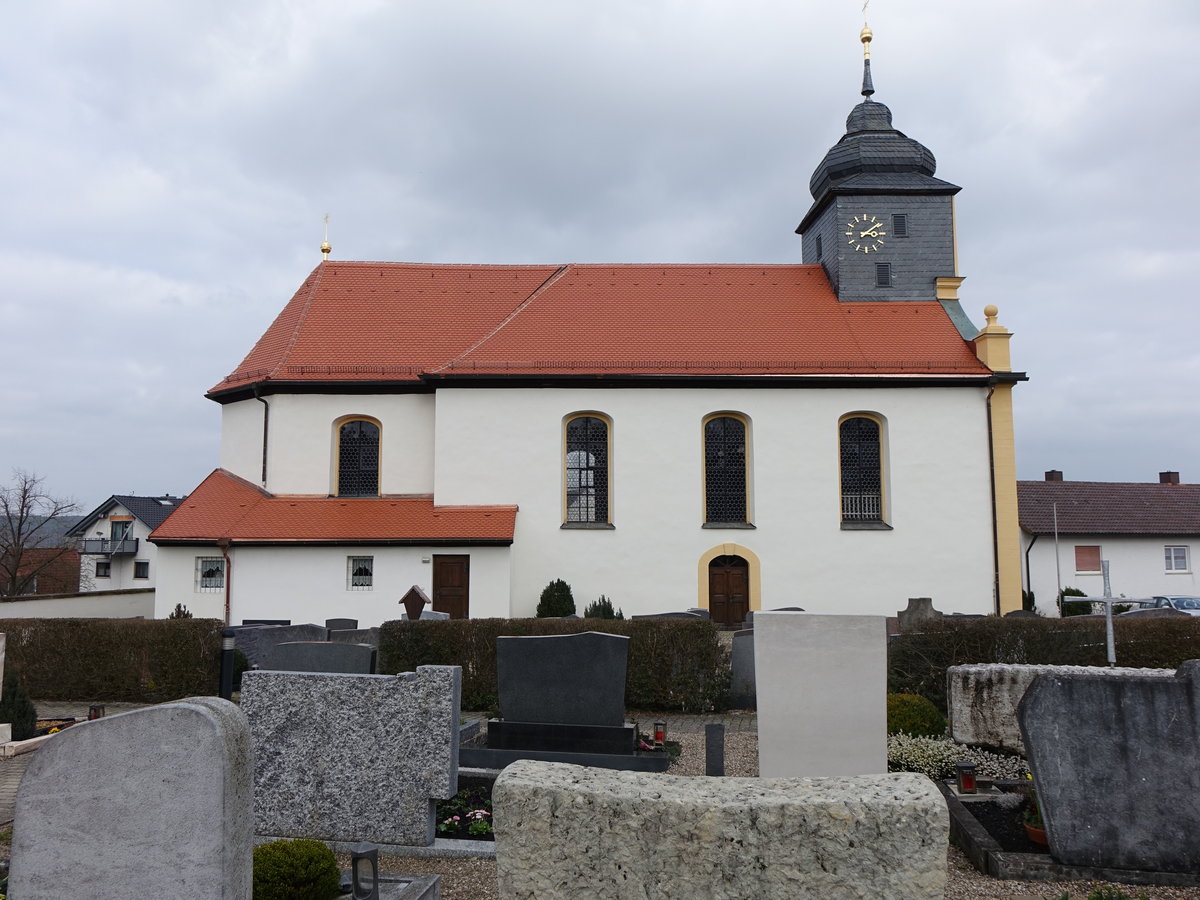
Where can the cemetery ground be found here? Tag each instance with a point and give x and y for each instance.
(475, 879)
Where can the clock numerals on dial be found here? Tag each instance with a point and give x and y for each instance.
(865, 233)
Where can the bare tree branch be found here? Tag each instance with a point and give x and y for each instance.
(29, 544)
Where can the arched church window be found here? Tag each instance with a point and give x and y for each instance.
(725, 470)
(586, 470)
(358, 459)
(861, 469)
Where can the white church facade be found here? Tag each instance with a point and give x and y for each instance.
(834, 435)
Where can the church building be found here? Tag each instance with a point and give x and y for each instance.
(833, 434)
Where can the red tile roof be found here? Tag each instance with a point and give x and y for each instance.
(1105, 507)
(357, 321)
(227, 507)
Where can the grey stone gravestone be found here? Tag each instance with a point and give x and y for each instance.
(564, 679)
(426, 615)
(669, 615)
(918, 614)
(341, 624)
(741, 674)
(155, 802)
(1114, 763)
(322, 656)
(353, 757)
(368, 636)
(257, 640)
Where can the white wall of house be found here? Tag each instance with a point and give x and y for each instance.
(506, 446)
(311, 584)
(122, 568)
(1137, 566)
(302, 440)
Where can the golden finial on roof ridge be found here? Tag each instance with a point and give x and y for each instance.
(325, 247)
(865, 36)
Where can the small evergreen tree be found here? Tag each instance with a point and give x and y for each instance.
(602, 609)
(17, 708)
(180, 612)
(1073, 609)
(557, 600)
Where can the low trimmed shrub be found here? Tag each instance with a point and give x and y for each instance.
(936, 757)
(673, 663)
(299, 869)
(913, 714)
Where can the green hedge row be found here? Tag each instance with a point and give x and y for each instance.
(673, 664)
(115, 660)
(917, 663)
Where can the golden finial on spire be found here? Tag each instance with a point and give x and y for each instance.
(865, 35)
(325, 248)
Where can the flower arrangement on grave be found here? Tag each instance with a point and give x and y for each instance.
(1033, 812)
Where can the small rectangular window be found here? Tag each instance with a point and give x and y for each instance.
(210, 573)
(103, 568)
(1177, 559)
(883, 274)
(819, 252)
(141, 569)
(1087, 560)
(900, 225)
(360, 573)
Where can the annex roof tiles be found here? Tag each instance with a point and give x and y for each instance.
(1103, 507)
(225, 507)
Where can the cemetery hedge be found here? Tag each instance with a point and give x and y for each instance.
(917, 662)
(115, 660)
(673, 664)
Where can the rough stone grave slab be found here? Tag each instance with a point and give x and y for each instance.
(353, 757)
(821, 683)
(1114, 760)
(322, 656)
(256, 641)
(565, 679)
(982, 699)
(154, 802)
(569, 831)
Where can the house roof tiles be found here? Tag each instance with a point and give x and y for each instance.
(225, 507)
(404, 322)
(1103, 507)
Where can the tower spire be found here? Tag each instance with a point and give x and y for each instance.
(865, 36)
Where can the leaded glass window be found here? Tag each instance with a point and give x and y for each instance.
(725, 470)
(358, 459)
(862, 498)
(587, 469)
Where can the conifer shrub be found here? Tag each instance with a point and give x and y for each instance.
(180, 612)
(17, 708)
(557, 600)
(295, 870)
(913, 714)
(602, 609)
(1073, 609)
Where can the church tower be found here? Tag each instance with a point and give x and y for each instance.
(881, 224)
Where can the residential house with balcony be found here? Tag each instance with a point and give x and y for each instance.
(114, 551)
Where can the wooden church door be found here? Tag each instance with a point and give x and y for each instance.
(728, 590)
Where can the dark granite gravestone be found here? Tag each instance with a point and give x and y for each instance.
(562, 699)
(341, 624)
(356, 636)
(670, 615)
(566, 679)
(256, 641)
(322, 656)
(742, 694)
(1114, 760)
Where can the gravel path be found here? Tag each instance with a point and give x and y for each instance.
(476, 879)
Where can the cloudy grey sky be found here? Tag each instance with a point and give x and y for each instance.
(166, 167)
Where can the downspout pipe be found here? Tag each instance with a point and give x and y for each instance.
(1028, 572)
(266, 422)
(223, 545)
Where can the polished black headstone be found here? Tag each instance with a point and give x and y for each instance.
(321, 656)
(1114, 762)
(341, 624)
(567, 679)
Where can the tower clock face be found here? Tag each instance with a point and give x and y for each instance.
(865, 233)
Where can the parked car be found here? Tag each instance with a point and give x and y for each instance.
(1189, 605)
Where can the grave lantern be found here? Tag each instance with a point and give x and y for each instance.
(660, 735)
(965, 772)
(95, 711)
(364, 870)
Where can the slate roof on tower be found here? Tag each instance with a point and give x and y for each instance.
(409, 322)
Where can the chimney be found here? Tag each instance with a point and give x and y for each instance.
(1054, 475)
(1168, 478)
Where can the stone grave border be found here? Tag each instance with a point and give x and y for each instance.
(991, 859)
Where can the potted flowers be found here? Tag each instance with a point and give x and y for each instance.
(1035, 828)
